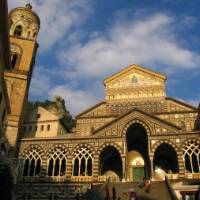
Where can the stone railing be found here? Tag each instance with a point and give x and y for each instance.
(172, 176)
(106, 178)
(58, 179)
(81, 178)
(192, 175)
(29, 179)
(43, 179)
(102, 178)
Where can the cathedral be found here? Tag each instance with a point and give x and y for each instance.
(137, 132)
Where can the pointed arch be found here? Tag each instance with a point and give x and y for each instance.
(191, 156)
(18, 30)
(57, 160)
(113, 144)
(110, 161)
(136, 121)
(82, 161)
(169, 142)
(165, 158)
(32, 162)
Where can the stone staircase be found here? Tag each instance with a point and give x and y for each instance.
(158, 191)
(48, 191)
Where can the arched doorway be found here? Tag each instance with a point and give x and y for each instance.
(135, 165)
(137, 146)
(165, 159)
(110, 163)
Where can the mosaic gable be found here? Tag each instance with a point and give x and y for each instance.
(135, 82)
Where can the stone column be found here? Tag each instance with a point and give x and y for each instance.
(181, 164)
(69, 168)
(124, 167)
(95, 167)
(151, 164)
(44, 167)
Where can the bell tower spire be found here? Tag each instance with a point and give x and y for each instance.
(24, 27)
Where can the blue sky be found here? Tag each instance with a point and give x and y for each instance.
(84, 41)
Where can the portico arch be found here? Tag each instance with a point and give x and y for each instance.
(165, 158)
(137, 149)
(110, 163)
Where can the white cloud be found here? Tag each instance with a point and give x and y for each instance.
(40, 83)
(150, 42)
(58, 18)
(76, 100)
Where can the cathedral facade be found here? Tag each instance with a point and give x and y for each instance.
(136, 132)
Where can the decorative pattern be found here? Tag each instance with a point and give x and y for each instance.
(106, 144)
(82, 162)
(57, 161)
(158, 143)
(32, 162)
(191, 157)
(138, 121)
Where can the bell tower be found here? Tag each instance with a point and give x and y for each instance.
(24, 27)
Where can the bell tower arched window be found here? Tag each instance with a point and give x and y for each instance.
(34, 35)
(14, 59)
(18, 31)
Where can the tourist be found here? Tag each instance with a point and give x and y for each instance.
(113, 193)
(132, 194)
(147, 185)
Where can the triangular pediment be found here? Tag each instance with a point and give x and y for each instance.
(156, 125)
(135, 74)
(135, 82)
(39, 114)
(98, 109)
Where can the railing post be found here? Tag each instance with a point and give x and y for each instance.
(181, 165)
(95, 168)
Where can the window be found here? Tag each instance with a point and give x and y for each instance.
(82, 162)
(57, 163)
(14, 59)
(32, 163)
(30, 128)
(18, 30)
(48, 127)
(42, 128)
(191, 157)
(34, 35)
(28, 34)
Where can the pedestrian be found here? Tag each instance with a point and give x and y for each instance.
(132, 194)
(147, 186)
(113, 193)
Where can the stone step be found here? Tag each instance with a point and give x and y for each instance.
(158, 191)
